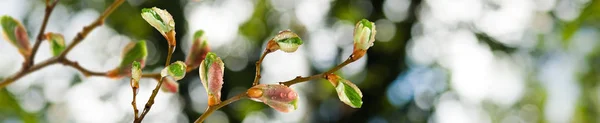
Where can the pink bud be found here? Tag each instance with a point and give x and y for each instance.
(278, 97)
(170, 85)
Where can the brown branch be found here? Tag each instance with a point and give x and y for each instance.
(257, 75)
(49, 7)
(300, 79)
(24, 72)
(155, 91)
(80, 36)
(87, 29)
(85, 72)
(135, 90)
(211, 109)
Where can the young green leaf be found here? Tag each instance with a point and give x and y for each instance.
(211, 75)
(159, 19)
(134, 51)
(364, 34)
(175, 70)
(162, 21)
(287, 41)
(198, 51)
(57, 43)
(346, 90)
(16, 34)
(278, 97)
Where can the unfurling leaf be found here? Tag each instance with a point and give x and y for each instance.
(286, 41)
(16, 34)
(198, 51)
(170, 85)
(136, 74)
(134, 51)
(278, 97)
(162, 21)
(57, 43)
(175, 70)
(364, 34)
(346, 90)
(211, 74)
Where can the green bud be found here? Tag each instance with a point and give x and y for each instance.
(136, 74)
(16, 34)
(346, 90)
(57, 43)
(175, 70)
(198, 51)
(134, 51)
(211, 75)
(287, 41)
(364, 34)
(278, 97)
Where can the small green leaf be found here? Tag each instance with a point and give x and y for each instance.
(351, 94)
(288, 41)
(364, 34)
(198, 34)
(134, 51)
(16, 34)
(57, 43)
(346, 90)
(175, 70)
(159, 19)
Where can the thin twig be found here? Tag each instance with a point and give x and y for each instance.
(257, 75)
(24, 72)
(87, 29)
(211, 109)
(135, 90)
(155, 91)
(85, 72)
(40, 37)
(300, 79)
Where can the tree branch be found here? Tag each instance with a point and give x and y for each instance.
(211, 109)
(300, 79)
(49, 7)
(257, 75)
(80, 36)
(155, 91)
(87, 29)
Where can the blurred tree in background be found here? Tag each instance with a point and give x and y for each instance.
(461, 61)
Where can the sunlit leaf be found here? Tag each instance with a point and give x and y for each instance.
(175, 70)
(57, 43)
(347, 91)
(16, 34)
(134, 51)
